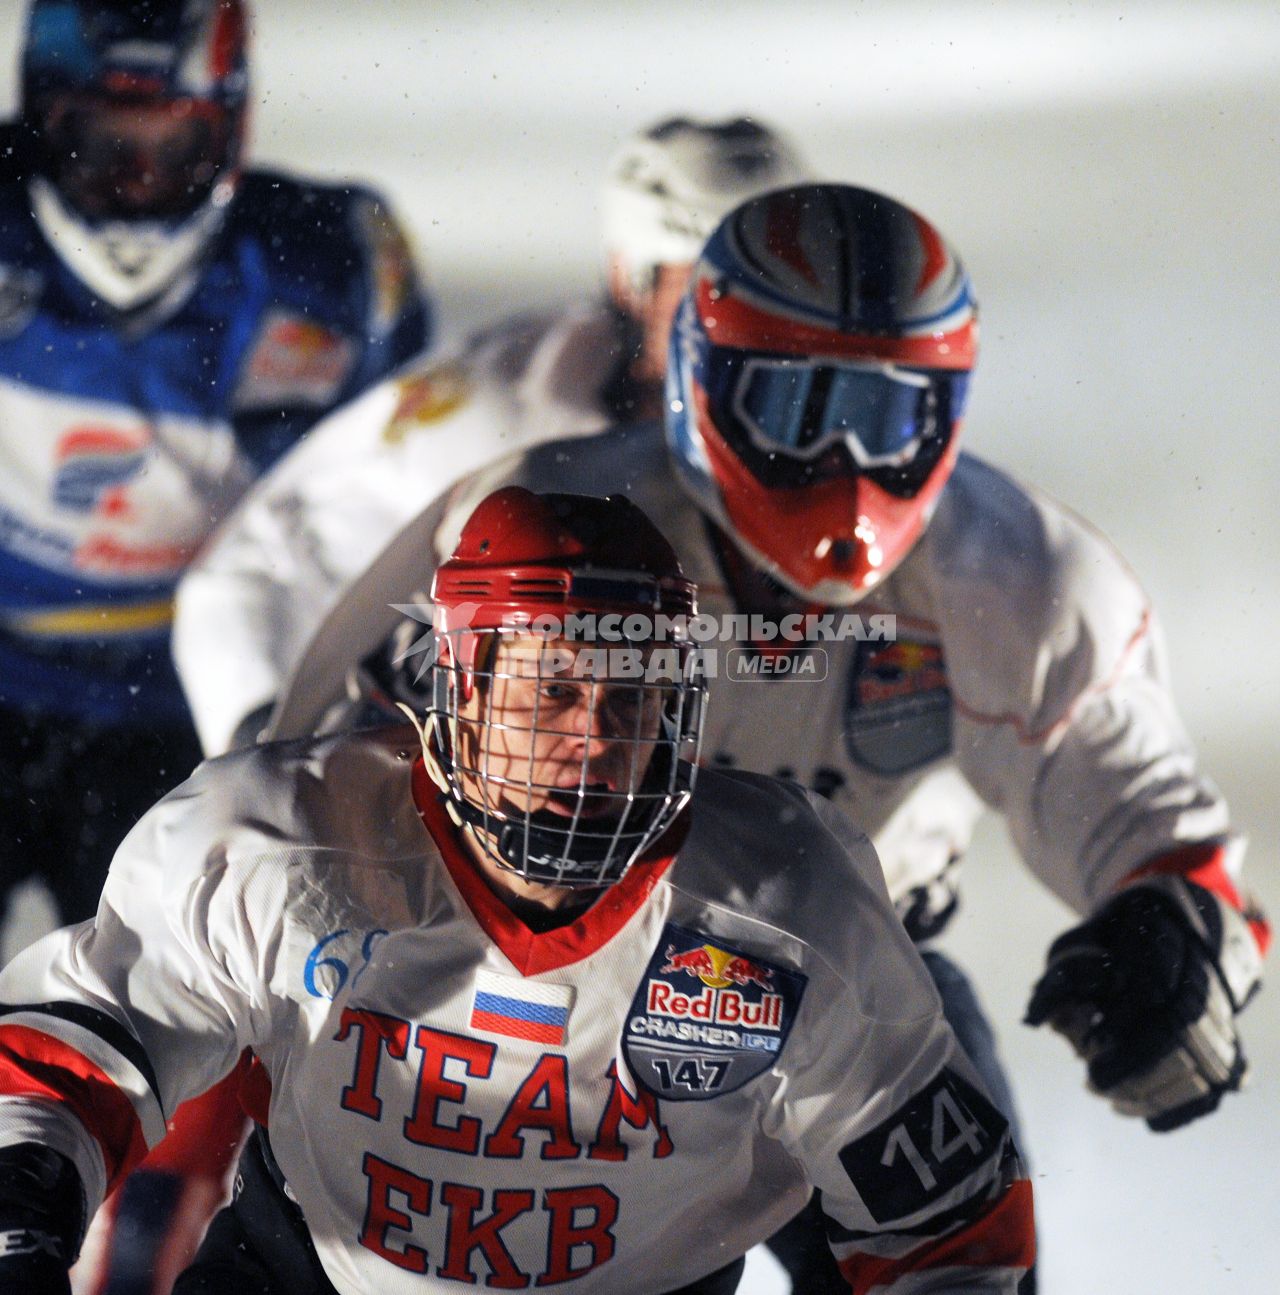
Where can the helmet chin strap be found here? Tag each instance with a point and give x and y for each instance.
(129, 263)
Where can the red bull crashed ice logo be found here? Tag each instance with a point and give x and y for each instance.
(707, 1019)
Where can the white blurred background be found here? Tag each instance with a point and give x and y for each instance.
(1109, 174)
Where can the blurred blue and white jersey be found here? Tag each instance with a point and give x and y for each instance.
(125, 438)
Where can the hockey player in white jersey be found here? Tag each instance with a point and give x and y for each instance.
(248, 607)
(261, 587)
(530, 1008)
(810, 463)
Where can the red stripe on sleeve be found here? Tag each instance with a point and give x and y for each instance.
(1205, 865)
(255, 1088)
(1003, 1237)
(206, 1132)
(33, 1064)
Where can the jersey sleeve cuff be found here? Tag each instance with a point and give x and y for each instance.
(24, 1119)
(1214, 866)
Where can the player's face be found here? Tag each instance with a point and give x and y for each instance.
(653, 310)
(141, 159)
(550, 730)
(657, 314)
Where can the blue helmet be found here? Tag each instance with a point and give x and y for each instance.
(151, 48)
(136, 114)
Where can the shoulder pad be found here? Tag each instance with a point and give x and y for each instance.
(1035, 605)
(267, 197)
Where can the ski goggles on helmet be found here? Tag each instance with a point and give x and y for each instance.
(798, 421)
(880, 413)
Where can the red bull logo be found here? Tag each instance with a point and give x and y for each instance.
(427, 398)
(901, 669)
(705, 1020)
(305, 345)
(294, 358)
(717, 968)
(715, 1007)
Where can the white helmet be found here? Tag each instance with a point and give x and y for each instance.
(668, 187)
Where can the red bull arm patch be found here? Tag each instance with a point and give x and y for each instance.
(706, 1018)
(898, 708)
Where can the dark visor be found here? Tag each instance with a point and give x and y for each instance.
(122, 160)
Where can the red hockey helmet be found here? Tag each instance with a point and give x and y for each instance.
(818, 372)
(565, 706)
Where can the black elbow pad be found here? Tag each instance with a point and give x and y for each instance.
(42, 1218)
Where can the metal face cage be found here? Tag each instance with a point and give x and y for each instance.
(567, 758)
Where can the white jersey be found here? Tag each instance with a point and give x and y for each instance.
(625, 1103)
(249, 604)
(1025, 673)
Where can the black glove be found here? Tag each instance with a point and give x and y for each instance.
(42, 1220)
(1146, 991)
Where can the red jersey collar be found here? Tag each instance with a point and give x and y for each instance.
(531, 952)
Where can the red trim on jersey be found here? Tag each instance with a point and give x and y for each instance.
(1031, 737)
(35, 1064)
(1205, 864)
(205, 1133)
(1003, 1237)
(203, 1142)
(255, 1089)
(531, 952)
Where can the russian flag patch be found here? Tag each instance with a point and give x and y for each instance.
(521, 1009)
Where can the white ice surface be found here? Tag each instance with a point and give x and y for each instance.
(1109, 173)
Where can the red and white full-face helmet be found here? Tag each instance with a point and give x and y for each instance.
(818, 371)
(566, 705)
